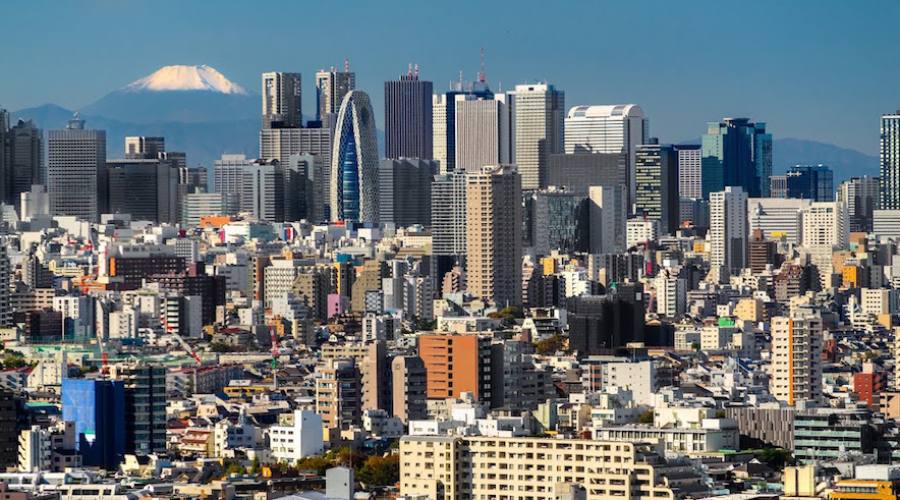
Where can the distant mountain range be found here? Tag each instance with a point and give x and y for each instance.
(202, 113)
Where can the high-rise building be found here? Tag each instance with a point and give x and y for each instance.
(141, 147)
(812, 182)
(444, 121)
(25, 159)
(761, 252)
(76, 171)
(8, 428)
(263, 191)
(737, 152)
(690, 173)
(147, 189)
(408, 388)
(404, 191)
(331, 87)
(538, 130)
(354, 162)
(777, 218)
(339, 394)
(407, 117)
(5, 177)
(6, 276)
(455, 364)
(860, 194)
(608, 129)
(578, 171)
(281, 100)
(728, 229)
(482, 132)
(195, 206)
(557, 220)
(826, 225)
(145, 406)
(448, 222)
(796, 368)
(656, 178)
(97, 407)
(607, 214)
(284, 143)
(494, 234)
(228, 180)
(890, 161)
(598, 324)
(778, 186)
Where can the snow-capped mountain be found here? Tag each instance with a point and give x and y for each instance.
(183, 94)
(180, 77)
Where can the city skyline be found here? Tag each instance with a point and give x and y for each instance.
(817, 66)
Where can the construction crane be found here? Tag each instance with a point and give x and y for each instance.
(187, 347)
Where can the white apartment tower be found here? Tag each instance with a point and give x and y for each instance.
(796, 369)
(607, 216)
(538, 130)
(728, 229)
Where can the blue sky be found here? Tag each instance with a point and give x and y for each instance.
(822, 70)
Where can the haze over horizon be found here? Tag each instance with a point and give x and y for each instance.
(789, 65)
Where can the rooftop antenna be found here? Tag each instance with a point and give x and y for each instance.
(409, 70)
(346, 65)
(481, 74)
(416, 71)
(460, 78)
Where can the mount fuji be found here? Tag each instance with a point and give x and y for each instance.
(186, 94)
(196, 108)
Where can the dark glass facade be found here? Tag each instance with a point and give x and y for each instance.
(97, 407)
(810, 182)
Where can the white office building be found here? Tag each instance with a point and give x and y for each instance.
(299, 437)
(777, 218)
(538, 130)
(728, 229)
(607, 216)
(608, 129)
(482, 132)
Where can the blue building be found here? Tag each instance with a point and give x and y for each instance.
(810, 182)
(354, 162)
(97, 407)
(736, 152)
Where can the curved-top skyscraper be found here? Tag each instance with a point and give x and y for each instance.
(354, 161)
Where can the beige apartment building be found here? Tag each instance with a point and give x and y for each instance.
(496, 468)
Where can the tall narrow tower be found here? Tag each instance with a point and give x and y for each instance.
(281, 100)
(354, 162)
(408, 117)
(538, 121)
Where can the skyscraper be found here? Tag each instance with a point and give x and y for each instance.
(811, 182)
(538, 130)
(26, 158)
(263, 191)
(141, 147)
(494, 234)
(737, 152)
(608, 129)
(482, 132)
(147, 189)
(404, 191)
(689, 171)
(407, 117)
(354, 162)
(444, 121)
(228, 178)
(331, 87)
(606, 215)
(656, 176)
(281, 100)
(860, 194)
(890, 161)
(728, 229)
(448, 222)
(145, 406)
(76, 171)
(97, 408)
(5, 177)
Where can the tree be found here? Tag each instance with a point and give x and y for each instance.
(380, 471)
(13, 360)
(219, 347)
(550, 345)
(775, 458)
(316, 463)
(646, 417)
